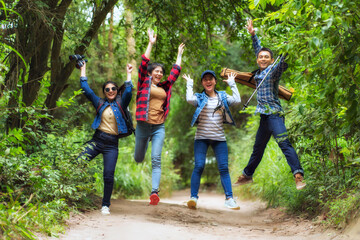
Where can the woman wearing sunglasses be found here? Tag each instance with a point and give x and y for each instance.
(109, 125)
(152, 108)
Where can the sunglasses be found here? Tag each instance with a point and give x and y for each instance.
(112, 89)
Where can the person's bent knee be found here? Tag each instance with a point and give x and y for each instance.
(138, 158)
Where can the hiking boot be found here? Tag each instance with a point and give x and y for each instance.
(230, 203)
(243, 180)
(154, 198)
(192, 203)
(299, 181)
(105, 210)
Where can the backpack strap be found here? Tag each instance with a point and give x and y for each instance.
(254, 73)
(126, 115)
(100, 103)
(118, 102)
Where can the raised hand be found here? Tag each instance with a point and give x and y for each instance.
(181, 48)
(152, 37)
(231, 77)
(187, 77)
(129, 68)
(250, 27)
(83, 70)
(180, 52)
(152, 40)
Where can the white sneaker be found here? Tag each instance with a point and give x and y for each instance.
(105, 210)
(192, 203)
(230, 203)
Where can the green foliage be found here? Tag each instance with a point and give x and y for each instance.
(37, 188)
(323, 116)
(343, 209)
(38, 178)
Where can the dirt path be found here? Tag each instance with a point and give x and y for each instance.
(172, 220)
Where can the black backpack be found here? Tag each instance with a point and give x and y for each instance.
(125, 113)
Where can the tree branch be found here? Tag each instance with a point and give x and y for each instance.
(58, 83)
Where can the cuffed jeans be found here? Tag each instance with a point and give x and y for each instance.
(155, 133)
(273, 124)
(106, 144)
(221, 154)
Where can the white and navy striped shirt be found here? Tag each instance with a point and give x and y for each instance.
(210, 124)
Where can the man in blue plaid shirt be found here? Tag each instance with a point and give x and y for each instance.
(272, 121)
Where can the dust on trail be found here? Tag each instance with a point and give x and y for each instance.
(172, 220)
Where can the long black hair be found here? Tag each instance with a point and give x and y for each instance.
(154, 65)
(110, 82)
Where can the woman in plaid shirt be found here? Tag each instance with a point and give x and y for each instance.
(152, 108)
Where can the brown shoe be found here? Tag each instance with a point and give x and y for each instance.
(243, 180)
(299, 181)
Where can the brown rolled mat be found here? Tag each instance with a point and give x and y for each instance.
(246, 78)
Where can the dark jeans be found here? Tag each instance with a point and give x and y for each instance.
(273, 124)
(106, 144)
(221, 154)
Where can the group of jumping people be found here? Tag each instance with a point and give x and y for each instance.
(212, 111)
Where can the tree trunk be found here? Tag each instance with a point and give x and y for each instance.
(110, 46)
(58, 82)
(131, 45)
(32, 41)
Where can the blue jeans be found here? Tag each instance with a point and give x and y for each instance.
(155, 133)
(273, 124)
(106, 144)
(221, 154)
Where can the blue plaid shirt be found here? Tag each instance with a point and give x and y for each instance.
(268, 93)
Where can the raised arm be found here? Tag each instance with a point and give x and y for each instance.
(146, 58)
(235, 98)
(89, 93)
(127, 94)
(279, 68)
(152, 40)
(176, 69)
(129, 69)
(180, 52)
(255, 40)
(250, 27)
(190, 97)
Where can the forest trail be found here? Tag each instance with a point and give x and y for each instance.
(171, 219)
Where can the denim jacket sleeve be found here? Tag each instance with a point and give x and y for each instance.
(127, 94)
(190, 97)
(235, 98)
(89, 93)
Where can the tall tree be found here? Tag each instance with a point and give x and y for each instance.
(38, 36)
(110, 45)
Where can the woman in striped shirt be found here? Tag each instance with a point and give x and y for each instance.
(212, 111)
